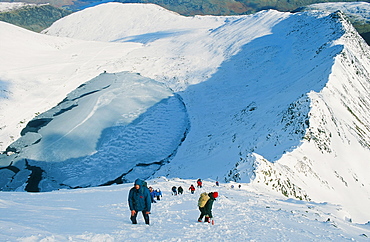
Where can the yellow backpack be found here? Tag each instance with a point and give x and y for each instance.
(203, 199)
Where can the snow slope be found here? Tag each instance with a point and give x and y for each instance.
(102, 214)
(129, 22)
(6, 7)
(37, 72)
(276, 99)
(356, 10)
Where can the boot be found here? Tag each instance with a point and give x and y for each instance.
(206, 219)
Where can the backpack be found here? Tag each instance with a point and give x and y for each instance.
(203, 199)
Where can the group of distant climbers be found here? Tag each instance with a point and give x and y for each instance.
(180, 190)
(155, 194)
(141, 197)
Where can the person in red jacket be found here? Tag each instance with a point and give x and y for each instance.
(192, 189)
(199, 183)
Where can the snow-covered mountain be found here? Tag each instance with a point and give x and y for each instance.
(6, 7)
(360, 11)
(358, 14)
(279, 100)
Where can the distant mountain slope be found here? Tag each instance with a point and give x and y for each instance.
(55, 3)
(9, 6)
(33, 17)
(357, 12)
(228, 7)
(37, 21)
(194, 7)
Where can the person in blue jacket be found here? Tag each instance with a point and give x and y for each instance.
(152, 194)
(158, 194)
(139, 200)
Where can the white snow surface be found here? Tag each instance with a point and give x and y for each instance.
(277, 100)
(357, 10)
(7, 7)
(240, 214)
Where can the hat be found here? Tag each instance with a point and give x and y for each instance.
(139, 182)
(215, 194)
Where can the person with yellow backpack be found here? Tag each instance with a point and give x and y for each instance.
(205, 203)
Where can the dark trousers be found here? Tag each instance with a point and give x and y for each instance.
(146, 217)
(202, 213)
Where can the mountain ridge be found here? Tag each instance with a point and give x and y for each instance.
(188, 8)
(253, 116)
(37, 21)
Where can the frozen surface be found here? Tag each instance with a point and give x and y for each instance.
(103, 129)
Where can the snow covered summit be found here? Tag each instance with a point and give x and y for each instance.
(276, 99)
